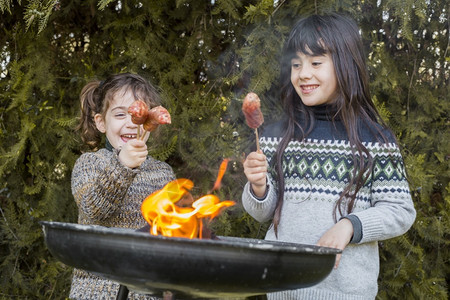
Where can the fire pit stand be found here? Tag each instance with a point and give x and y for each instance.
(227, 267)
(122, 294)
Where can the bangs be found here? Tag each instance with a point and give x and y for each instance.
(123, 83)
(308, 38)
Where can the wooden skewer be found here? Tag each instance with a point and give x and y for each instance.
(143, 134)
(257, 140)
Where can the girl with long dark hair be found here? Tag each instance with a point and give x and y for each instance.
(330, 173)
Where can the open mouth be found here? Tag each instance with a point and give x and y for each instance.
(127, 137)
(307, 89)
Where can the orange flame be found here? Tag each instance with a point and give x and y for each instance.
(168, 219)
(222, 169)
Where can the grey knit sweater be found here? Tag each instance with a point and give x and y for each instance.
(316, 170)
(110, 194)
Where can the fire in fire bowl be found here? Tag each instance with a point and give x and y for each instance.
(189, 268)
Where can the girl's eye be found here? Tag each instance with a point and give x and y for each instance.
(296, 65)
(120, 115)
(316, 63)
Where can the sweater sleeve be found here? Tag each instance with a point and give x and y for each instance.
(392, 211)
(261, 210)
(99, 183)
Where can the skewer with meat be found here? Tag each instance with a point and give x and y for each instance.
(149, 119)
(251, 107)
(139, 114)
(157, 116)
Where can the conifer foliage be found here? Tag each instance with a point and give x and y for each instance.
(205, 56)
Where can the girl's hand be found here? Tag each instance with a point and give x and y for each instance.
(133, 153)
(255, 168)
(337, 237)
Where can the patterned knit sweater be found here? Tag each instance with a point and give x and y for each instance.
(110, 194)
(316, 171)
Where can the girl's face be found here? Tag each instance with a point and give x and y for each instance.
(314, 78)
(117, 123)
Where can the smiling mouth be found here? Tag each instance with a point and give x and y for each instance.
(306, 89)
(129, 136)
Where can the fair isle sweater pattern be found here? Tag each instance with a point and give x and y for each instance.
(327, 167)
(110, 194)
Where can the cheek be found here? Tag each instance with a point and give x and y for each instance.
(112, 126)
(116, 127)
(333, 81)
(293, 77)
(332, 76)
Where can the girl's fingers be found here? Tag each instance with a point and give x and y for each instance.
(255, 168)
(253, 163)
(259, 171)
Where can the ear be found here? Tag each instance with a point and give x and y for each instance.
(100, 123)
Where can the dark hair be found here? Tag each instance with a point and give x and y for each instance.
(337, 36)
(96, 96)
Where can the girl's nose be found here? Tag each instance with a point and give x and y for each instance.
(305, 72)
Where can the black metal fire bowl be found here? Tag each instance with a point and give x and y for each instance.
(227, 267)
